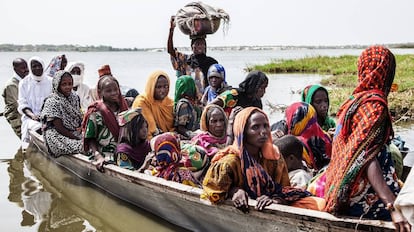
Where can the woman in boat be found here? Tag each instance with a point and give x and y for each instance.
(157, 107)
(133, 145)
(100, 127)
(301, 121)
(361, 176)
(62, 117)
(318, 97)
(77, 70)
(249, 93)
(217, 84)
(251, 167)
(207, 143)
(187, 113)
(169, 162)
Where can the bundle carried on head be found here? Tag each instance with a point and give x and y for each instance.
(198, 19)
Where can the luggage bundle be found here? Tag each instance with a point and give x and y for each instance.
(198, 19)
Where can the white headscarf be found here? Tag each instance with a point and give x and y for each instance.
(77, 79)
(38, 59)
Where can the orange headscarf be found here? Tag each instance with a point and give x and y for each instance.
(158, 113)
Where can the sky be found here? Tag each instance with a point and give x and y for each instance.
(145, 23)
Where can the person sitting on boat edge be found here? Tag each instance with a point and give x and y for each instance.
(157, 107)
(249, 93)
(11, 95)
(33, 89)
(187, 113)
(62, 117)
(251, 167)
(318, 97)
(100, 129)
(360, 178)
(292, 148)
(169, 161)
(217, 84)
(133, 145)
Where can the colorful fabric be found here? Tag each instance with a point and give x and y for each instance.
(364, 128)
(168, 157)
(307, 96)
(186, 115)
(302, 122)
(104, 70)
(186, 111)
(234, 167)
(158, 113)
(131, 157)
(317, 184)
(193, 64)
(197, 156)
(54, 65)
(67, 109)
(100, 124)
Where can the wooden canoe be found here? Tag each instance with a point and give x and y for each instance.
(181, 205)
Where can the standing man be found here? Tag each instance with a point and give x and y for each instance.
(11, 95)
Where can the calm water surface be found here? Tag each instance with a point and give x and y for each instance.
(42, 197)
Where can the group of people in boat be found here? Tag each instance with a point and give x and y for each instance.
(217, 137)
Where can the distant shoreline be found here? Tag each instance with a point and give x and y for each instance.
(104, 48)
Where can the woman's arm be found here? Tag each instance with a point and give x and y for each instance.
(57, 123)
(170, 44)
(375, 178)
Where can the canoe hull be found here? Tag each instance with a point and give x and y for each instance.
(181, 205)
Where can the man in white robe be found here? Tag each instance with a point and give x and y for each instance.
(32, 91)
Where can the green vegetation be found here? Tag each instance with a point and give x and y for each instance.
(341, 79)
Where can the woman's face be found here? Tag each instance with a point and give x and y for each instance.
(143, 131)
(261, 90)
(75, 71)
(257, 130)
(161, 88)
(320, 102)
(215, 82)
(110, 91)
(36, 67)
(66, 85)
(216, 123)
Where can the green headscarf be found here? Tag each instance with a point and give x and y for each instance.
(184, 88)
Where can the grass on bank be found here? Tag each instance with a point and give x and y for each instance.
(341, 79)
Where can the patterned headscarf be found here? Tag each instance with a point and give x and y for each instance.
(184, 88)
(167, 149)
(301, 119)
(364, 127)
(256, 181)
(65, 108)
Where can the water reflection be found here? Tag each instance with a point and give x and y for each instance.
(54, 200)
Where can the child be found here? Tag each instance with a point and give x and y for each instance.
(100, 127)
(133, 145)
(291, 148)
(61, 116)
(187, 113)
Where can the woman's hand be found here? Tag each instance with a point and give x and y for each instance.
(172, 22)
(99, 161)
(262, 202)
(399, 221)
(240, 200)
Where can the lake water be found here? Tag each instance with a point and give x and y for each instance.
(47, 198)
